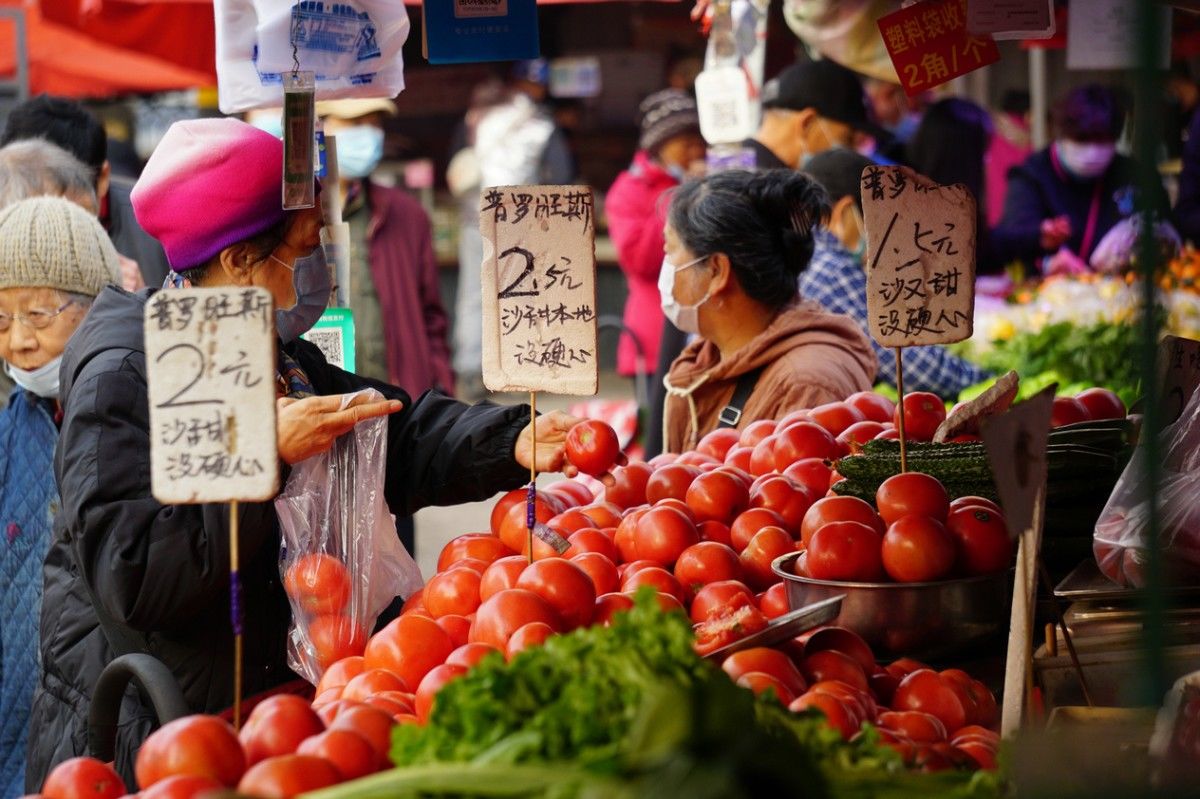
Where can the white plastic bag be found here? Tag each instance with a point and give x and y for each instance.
(354, 47)
(1122, 537)
(341, 560)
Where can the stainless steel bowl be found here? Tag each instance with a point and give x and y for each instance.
(918, 620)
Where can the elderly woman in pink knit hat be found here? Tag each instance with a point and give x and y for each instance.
(126, 573)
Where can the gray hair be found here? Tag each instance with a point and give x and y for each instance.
(35, 168)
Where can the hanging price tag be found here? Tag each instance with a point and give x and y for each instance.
(210, 358)
(1179, 374)
(929, 44)
(723, 103)
(539, 289)
(299, 142)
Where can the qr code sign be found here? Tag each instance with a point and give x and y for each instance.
(329, 342)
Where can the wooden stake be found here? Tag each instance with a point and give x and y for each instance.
(531, 507)
(1019, 666)
(900, 389)
(235, 611)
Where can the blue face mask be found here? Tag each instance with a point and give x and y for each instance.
(271, 123)
(312, 284)
(359, 151)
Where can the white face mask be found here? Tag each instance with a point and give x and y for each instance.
(1085, 159)
(42, 381)
(684, 317)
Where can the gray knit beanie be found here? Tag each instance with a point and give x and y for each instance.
(53, 243)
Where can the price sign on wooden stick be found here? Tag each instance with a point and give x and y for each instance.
(920, 263)
(1016, 447)
(210, 358)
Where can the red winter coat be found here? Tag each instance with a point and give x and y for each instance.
(636, 210)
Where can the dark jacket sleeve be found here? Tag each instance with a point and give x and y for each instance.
(440, 451)
(1018, 234)
(151, 566)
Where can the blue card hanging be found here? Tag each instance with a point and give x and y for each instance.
(463, 31)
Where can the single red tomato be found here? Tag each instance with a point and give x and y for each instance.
(592, 447)
(203, 746)
(456, 626)
(179, 787)
(370, 682)
(762, 457)
(662, 534)
(1100, 403)
(982, 540)
(371, 723)
(748, 523)
(874, 407)
(350, 753)
(279, 723)
(755, 432)
(831, 665)
(516, 496)
(917, 549)
(774, 602)
(724, 628)
(286, 776)
(902, 667)
(340, 673)
(508, 611)
(571, 520)
(811, 473)
(766, 545)
(604, 514)
(679, 505)
(533, 634)
(408, 647)
(572, 492)
(853, 437)
(481, 546)
(83, 778)
(318, 583)
(923, 413)
(858, 700)
(601, 570)
(836, 417)
(656, 577)
(803, 440)
(469, 654)
(739, 458)
(608, 605)
(760, 682)
(501, 575)
(334, 637)
(977, 700)
(592, 541)
(629, 485)
(841, 639)
(514, 528)
(917, 726)
(670, 481)
(433, 682)
(847, 551)
(1067, 410)
(838, 716)
(715, 597)
(717, 443)
(715, 531)
(706, 562)
(566, 588)
(768, 661)
(911, 493)
(838, 509)
(626, 570)
(983, 502)
(455, 591)
(791, 417)
(717, 496)
(927, 691)
(786, 497)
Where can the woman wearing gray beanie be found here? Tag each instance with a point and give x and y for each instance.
(54, 258)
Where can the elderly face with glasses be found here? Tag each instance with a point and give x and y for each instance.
(36, 323)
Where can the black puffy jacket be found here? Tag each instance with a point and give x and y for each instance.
(162, 572)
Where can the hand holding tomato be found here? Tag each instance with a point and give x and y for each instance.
(552, 429)
(592, 447)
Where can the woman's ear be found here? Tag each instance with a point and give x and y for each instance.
(235, 263)
(843, 222)
(722, 274)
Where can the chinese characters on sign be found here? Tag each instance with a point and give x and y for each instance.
(929, 44)
(539, 289)
(920, 258)
(210, 354)
(1179, 371)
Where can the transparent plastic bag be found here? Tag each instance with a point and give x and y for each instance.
(1122, 537)
(341, 560)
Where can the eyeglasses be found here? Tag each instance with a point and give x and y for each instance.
(36, 319)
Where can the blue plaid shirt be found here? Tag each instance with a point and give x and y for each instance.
(835, 279)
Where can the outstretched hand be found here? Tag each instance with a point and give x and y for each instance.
(309, 426)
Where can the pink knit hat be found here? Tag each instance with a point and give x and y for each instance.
(210, 183)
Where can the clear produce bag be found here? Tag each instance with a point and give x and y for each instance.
(341, 560)
(1122, 534)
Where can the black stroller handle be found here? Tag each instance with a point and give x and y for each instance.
(156, 682)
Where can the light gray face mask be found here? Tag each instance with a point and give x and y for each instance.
(312, 284)
(684, 317)
(42, 381)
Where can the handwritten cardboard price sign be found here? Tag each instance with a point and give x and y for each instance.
(210, 354)
(920, 258)
(539, 289)
(1179, 374)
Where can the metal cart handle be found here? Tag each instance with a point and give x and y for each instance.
(156, 682)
